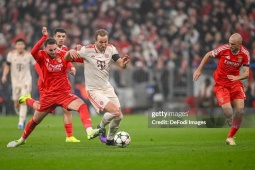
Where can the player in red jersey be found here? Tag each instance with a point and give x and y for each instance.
(60, 37)
(56, 89)
(228, 86)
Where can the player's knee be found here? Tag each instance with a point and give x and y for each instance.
(239, 112)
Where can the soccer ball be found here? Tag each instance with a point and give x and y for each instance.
(122, 139)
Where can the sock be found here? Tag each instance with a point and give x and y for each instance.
(22, 114)
(85, 116)
(30, 102)
(113, 128)
(235, 126)
(29, 128)
(69, 129)
(106, 119)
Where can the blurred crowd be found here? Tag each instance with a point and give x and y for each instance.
(157, 34)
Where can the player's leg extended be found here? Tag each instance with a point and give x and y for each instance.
(114, 122)
(37, 118)
(237, 120)
(67, 116)
(26, 99)
(228, 112)
(82, 108)
(22, 116)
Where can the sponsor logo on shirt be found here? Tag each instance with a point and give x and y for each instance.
(54, 67)
(231, 63)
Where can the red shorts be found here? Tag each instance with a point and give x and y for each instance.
(48, 102)
(227, 94)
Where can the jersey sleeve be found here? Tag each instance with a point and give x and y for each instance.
(69, 65)
(216, 53)
(114, 50)
(8, 58)
(38, 70)
(36, 53)
(82, 52)
(246, 61)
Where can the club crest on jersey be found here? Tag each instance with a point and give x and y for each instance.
(59, 60)
(101, 102)
(240, 59)
(106, 55)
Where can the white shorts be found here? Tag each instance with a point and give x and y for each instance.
(99, 98)
(18, 91)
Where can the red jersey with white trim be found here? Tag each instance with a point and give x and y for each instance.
(54, 71)
(229, 64)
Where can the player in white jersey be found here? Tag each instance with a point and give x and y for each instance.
(18, 62)
(97, 59)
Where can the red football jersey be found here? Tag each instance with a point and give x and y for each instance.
(229, 64)
(54, 71)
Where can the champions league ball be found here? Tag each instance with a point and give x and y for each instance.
(122, 139)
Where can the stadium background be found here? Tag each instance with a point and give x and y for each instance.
(165, 39)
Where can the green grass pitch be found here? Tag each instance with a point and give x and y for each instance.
(150, 148)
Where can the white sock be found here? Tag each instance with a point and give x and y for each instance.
(22, 113)
(88, 129)
(106, 119)
(113, 128)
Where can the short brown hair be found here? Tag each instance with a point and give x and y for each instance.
(100, 32)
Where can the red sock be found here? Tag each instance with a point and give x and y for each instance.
(235, 126)
(85, 116)
(69, 129)
(29, 128)
(30, 102)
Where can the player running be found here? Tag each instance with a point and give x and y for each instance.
(56, 89)
(60, 37)
(228, 85)
(19, 62)
(97, 59)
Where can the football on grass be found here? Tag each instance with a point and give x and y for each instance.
(122, 139)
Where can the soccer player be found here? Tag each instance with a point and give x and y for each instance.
(56, 89)
(228, 85)
(19, 62)
(97, 59)
(60, 37)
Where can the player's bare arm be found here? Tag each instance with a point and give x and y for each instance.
(5, 73)
(198, 72)
(71, 54)
(44, 31)
(122, 62)
(244, 75)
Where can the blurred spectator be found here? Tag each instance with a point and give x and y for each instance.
(205, 97)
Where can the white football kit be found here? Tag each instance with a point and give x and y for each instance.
(20, 73)
(96, 71)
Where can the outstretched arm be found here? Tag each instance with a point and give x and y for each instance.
(73, 55)
(38, 45)
(206, 58)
